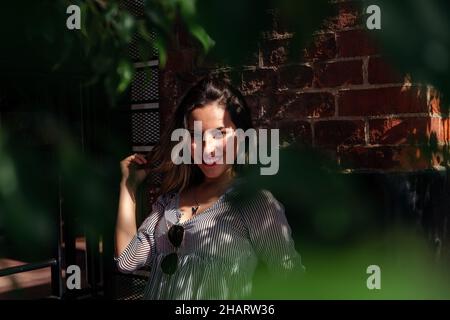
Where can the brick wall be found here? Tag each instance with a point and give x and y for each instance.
(341, 95)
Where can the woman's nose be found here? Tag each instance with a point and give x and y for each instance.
(209, 145)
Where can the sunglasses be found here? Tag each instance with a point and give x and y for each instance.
(170, 262)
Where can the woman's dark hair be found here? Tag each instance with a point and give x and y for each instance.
(208, 90)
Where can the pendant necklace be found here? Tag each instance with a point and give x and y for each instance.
(195, 208)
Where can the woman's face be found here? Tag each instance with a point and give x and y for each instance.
(212, 116)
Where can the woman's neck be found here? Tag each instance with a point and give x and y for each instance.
(220, 183)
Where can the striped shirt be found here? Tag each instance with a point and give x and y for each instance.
(220, 249)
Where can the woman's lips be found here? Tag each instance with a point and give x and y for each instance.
(210, 165)
(209, 162)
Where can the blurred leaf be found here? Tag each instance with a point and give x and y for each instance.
(125, 71)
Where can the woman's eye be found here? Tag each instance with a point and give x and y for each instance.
(216, 136)
(196, 135)
(220, 135)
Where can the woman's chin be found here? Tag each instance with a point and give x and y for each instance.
(212, 171)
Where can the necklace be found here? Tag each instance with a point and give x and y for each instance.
(195, 208)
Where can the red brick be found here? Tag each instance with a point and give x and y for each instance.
(339, 132)
(439, 127)
(398, 158)
(278, 25)
(328, 154)
(338, 73)
(435, 101)
(401, 131)
(258, 106)
(294, 132)
(258, 81)
(262, 123)
(445, 130)
(253, 102)
(180, 60)
(323, 47)
(251, 58)
(346, 14)
(381, 71)
(295, 76)
(300, 105)
(438, 105)
(275, 52)
(382, 101)
(355, 43)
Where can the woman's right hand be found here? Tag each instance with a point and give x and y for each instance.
(132, 174)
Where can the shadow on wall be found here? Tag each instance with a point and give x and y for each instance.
(343, 223)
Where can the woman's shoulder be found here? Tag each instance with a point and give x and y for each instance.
(264, 198)
(164, 198)
(158, 208)
(259, 200)
(260, 210)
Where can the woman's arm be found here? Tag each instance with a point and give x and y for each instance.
(270, 233)
(132, 248)
(126, 218)
(141, 248)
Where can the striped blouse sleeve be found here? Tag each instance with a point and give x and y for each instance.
(270, 233)
(139, 251)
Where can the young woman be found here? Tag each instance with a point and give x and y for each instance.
(197, 241)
